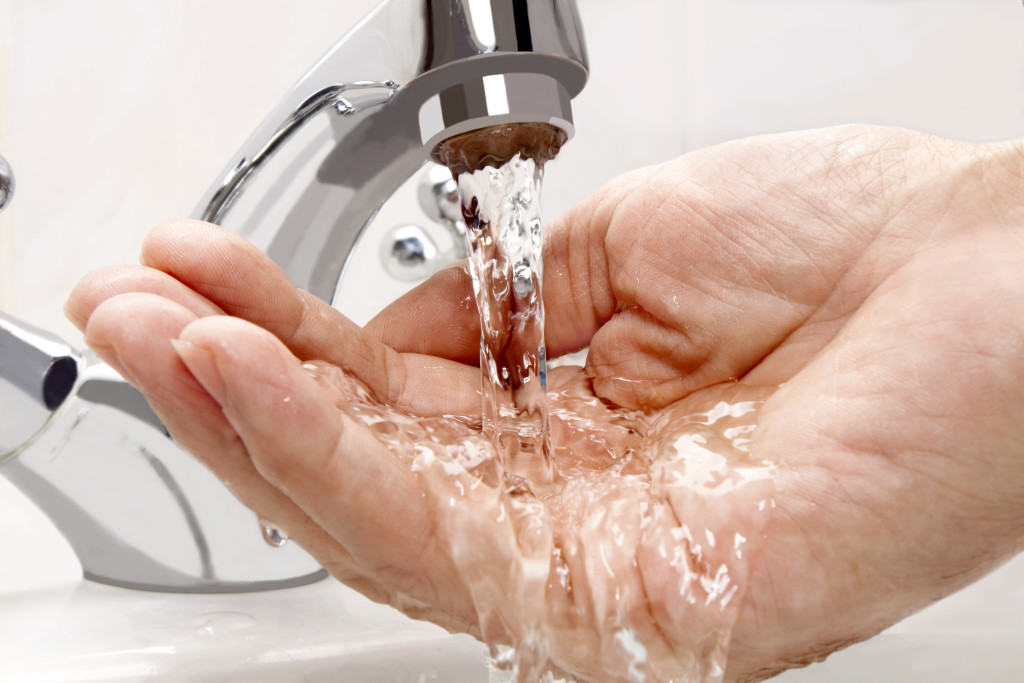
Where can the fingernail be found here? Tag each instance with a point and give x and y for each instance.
(203, 366)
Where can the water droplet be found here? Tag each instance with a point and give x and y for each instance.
(221, 623)
(502, 657)
(522, 279)
(636, 653)
(272, 535)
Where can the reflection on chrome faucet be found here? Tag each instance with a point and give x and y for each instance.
(311, 177)
(6, 183)
(86, 447)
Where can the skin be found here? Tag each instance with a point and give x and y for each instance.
(877, 275)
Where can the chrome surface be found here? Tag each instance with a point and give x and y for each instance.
(310, 178)
(85, 446)
(409, 254)
(6, 183)
(438, 195)
(344, 99)
(37, 373)
(139, 512)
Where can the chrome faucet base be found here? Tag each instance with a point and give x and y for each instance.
(138, 511)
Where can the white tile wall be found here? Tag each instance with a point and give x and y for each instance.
(123, 111)
(952, 67)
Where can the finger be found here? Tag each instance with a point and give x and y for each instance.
(628, 272)
(638, 361)
(144, 351)
(105, 283)
(244, 282)
(347, 481)
(440, 317)
(227, 270)
(746, 251)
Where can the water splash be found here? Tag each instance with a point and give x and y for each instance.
(636, 653)
(638, 513)
(612, 543)
(219, 624)
(501, 207)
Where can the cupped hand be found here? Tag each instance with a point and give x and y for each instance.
(859, 292)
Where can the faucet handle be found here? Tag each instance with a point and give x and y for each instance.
(38, 371)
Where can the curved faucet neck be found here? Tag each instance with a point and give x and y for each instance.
(368, 114)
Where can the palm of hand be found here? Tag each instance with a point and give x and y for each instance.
(882, 317)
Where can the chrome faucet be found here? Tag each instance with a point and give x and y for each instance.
(85, 446)
(367, 115)
(139, 512)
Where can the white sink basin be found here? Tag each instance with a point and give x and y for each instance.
(60, 629)
(974, 635)
(325, 632)
(56, 627)
(319, 632)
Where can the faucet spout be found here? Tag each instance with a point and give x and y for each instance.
(313, 175)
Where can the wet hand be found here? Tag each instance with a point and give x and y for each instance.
(876, 275)
(307, 418)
